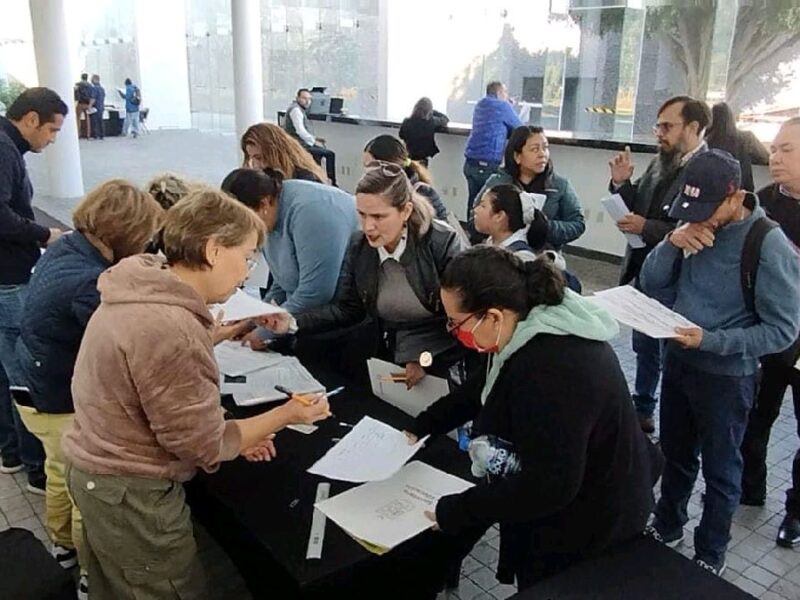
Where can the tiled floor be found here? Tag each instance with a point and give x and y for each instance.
(755, 563)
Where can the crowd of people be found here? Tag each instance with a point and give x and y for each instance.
(110, 397)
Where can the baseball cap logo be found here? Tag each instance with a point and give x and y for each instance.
(691, 191)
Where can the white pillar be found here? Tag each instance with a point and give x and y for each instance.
(52, 49)
(247, 74)
(163, 63)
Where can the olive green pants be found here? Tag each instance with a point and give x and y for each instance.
(138, 538)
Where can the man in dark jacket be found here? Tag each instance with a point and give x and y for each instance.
(32, 122)
(493, 120)
(99, 95)
(781, 201)
(679, 130)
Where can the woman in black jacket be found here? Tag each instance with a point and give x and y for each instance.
(567, 472)
(723, 134)
(419, 131)
(391, 273)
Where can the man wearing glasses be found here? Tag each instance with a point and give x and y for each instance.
(679, 130)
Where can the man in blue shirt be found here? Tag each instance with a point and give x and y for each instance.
(710, 371)
(133, 98)
(493, 120)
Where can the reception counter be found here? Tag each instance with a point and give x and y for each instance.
(581, 159)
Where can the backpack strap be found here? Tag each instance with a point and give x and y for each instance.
(751, 255)
(519, 246)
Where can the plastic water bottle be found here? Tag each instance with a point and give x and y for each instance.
(492, 455)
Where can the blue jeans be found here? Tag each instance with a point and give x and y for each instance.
(648, 370)
(702, 414)
(477, 173)
(15, 439)
(131, 123)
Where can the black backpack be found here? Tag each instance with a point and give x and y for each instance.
(751, 254)
(137, 96)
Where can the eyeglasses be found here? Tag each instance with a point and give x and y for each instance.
(252, 263)
(665, 127)
(452, 326)
(386, 168)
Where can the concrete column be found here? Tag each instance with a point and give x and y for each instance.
(52, 49)
(247, 74)
(163, 63)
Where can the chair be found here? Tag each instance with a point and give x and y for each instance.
(143, 114)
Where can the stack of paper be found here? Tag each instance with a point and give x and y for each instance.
(615, 206)
(257, 373)
(372, 451)
(242, 306)
(631, 307)
(411, 402)
(384, 514)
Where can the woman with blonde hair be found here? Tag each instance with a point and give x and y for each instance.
(391, 273)
(114, 221)
(267, 146)
(147, 401)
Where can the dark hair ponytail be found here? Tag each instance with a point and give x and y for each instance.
(544, 282)
(506, 197)
(487, 277)
(251, 186)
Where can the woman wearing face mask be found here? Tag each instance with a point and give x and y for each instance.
(511, 220)
(114, 221)
(309, 227)
(567, 471)
(527, 165)
(391, 273)
(147, 401)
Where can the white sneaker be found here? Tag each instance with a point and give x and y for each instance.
(66, 557)
(83, 588)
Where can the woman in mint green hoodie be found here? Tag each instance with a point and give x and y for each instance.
(566, 471)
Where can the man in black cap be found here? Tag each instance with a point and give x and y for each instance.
(710, 371)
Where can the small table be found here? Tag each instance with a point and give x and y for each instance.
(260, 513)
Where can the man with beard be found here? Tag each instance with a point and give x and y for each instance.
(679, 130)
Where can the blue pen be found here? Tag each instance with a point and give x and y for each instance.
(335, 391)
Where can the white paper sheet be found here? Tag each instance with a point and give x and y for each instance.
(235, 359)
(243, 306)
(387, 513)
(631, 307)
(615, 206)
(371, 451)
(411, 402)
(259, 386)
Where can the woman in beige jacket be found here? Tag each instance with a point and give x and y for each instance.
(147, 401)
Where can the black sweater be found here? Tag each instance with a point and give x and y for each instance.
(587, 470)
(419, 135)
(782, 209)
(20, 237)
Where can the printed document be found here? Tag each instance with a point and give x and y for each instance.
(242, 306)
(381, 515)
(615, 206)
(631, 307)
(411, 402)
(372, 451)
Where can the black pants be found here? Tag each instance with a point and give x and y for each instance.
(97, 124)
(318, 152)
(775, 378)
